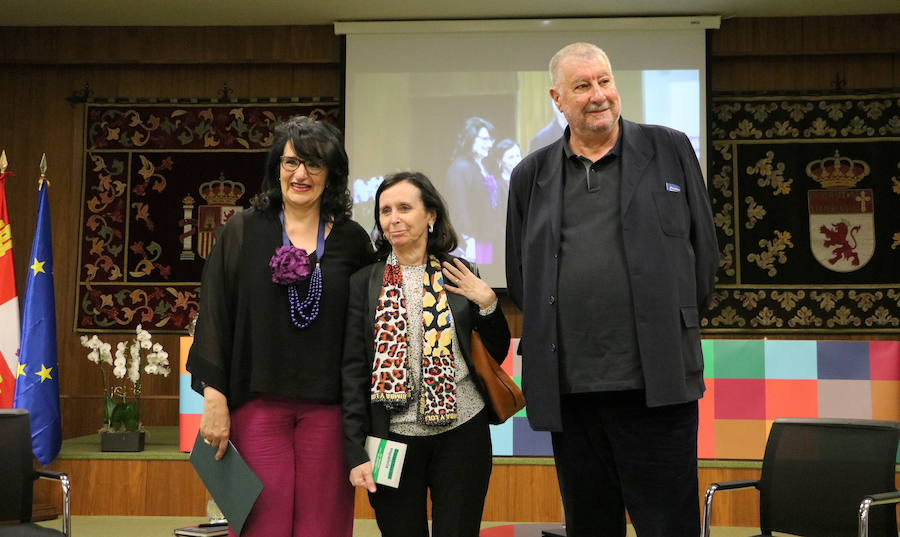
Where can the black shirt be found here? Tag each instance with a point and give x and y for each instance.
(595, 313)
(244, 342)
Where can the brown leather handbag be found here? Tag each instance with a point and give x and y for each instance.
(503, 397)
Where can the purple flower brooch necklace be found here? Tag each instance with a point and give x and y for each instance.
(290, 266)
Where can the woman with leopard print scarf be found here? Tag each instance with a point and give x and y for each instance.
(407, 373)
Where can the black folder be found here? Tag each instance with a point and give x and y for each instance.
(230, 482)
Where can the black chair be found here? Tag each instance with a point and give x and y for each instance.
(821, 476)
(17, 476)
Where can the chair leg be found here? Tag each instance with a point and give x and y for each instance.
(707, 510)
(67, 514)
(864, 517)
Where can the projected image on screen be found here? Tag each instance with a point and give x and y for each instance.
(467, 130)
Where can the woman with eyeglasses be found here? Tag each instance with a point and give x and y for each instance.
(267, 350)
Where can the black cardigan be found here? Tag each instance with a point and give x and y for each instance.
(244, 342)
(360, 418)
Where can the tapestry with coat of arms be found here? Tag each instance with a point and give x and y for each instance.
(159, 179)
(805, 193)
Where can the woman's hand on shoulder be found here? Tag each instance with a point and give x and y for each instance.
(215, 424)
(361, 476)
(460, 280)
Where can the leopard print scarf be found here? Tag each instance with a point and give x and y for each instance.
(390, 370)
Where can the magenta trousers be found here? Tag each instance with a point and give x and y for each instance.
(296, 448)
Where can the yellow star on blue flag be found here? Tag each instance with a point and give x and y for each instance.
(39, 392)
(37, 266)
(44, 373)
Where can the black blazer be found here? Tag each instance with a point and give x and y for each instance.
(670, 252)
(360, 418)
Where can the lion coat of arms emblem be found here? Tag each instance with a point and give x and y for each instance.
(841, 218)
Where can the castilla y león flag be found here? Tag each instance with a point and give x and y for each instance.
(9, 306)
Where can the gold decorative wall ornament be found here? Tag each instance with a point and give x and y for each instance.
(797, 111)
(843, 316)
(788, 299)
(771, 174)
(774, 250)
(882, 317)
(835, 109)
(745, 129)
(819, 129)
(805, 317)
(755, 212)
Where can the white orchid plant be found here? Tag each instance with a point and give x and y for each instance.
(119, 412)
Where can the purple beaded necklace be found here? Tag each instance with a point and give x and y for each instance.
(290, 266)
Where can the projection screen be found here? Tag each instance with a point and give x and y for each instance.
(448, 97)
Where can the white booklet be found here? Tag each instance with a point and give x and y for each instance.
(387, 460)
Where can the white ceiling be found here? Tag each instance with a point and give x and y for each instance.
(300, 12)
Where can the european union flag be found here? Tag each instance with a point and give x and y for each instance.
(37, 383)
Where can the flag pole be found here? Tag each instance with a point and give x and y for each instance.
(43, 178)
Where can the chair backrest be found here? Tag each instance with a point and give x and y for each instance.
(16, 470)
(816, 471)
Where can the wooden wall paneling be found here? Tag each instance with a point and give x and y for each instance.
(170, 45)
(244, 81)
(871, 71)
(851, 35)
(853, 72)
(523, 493)
(118, 486)
(750, 74)
(757, 36)
(161, 496)
(806, 53)
(321, 80)
(815, 73)
(127, 488)
(159, 410)
(61, 143)
(895, 70)
(265, 81)
(81, 413)
(80, 378)
(798, 36)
